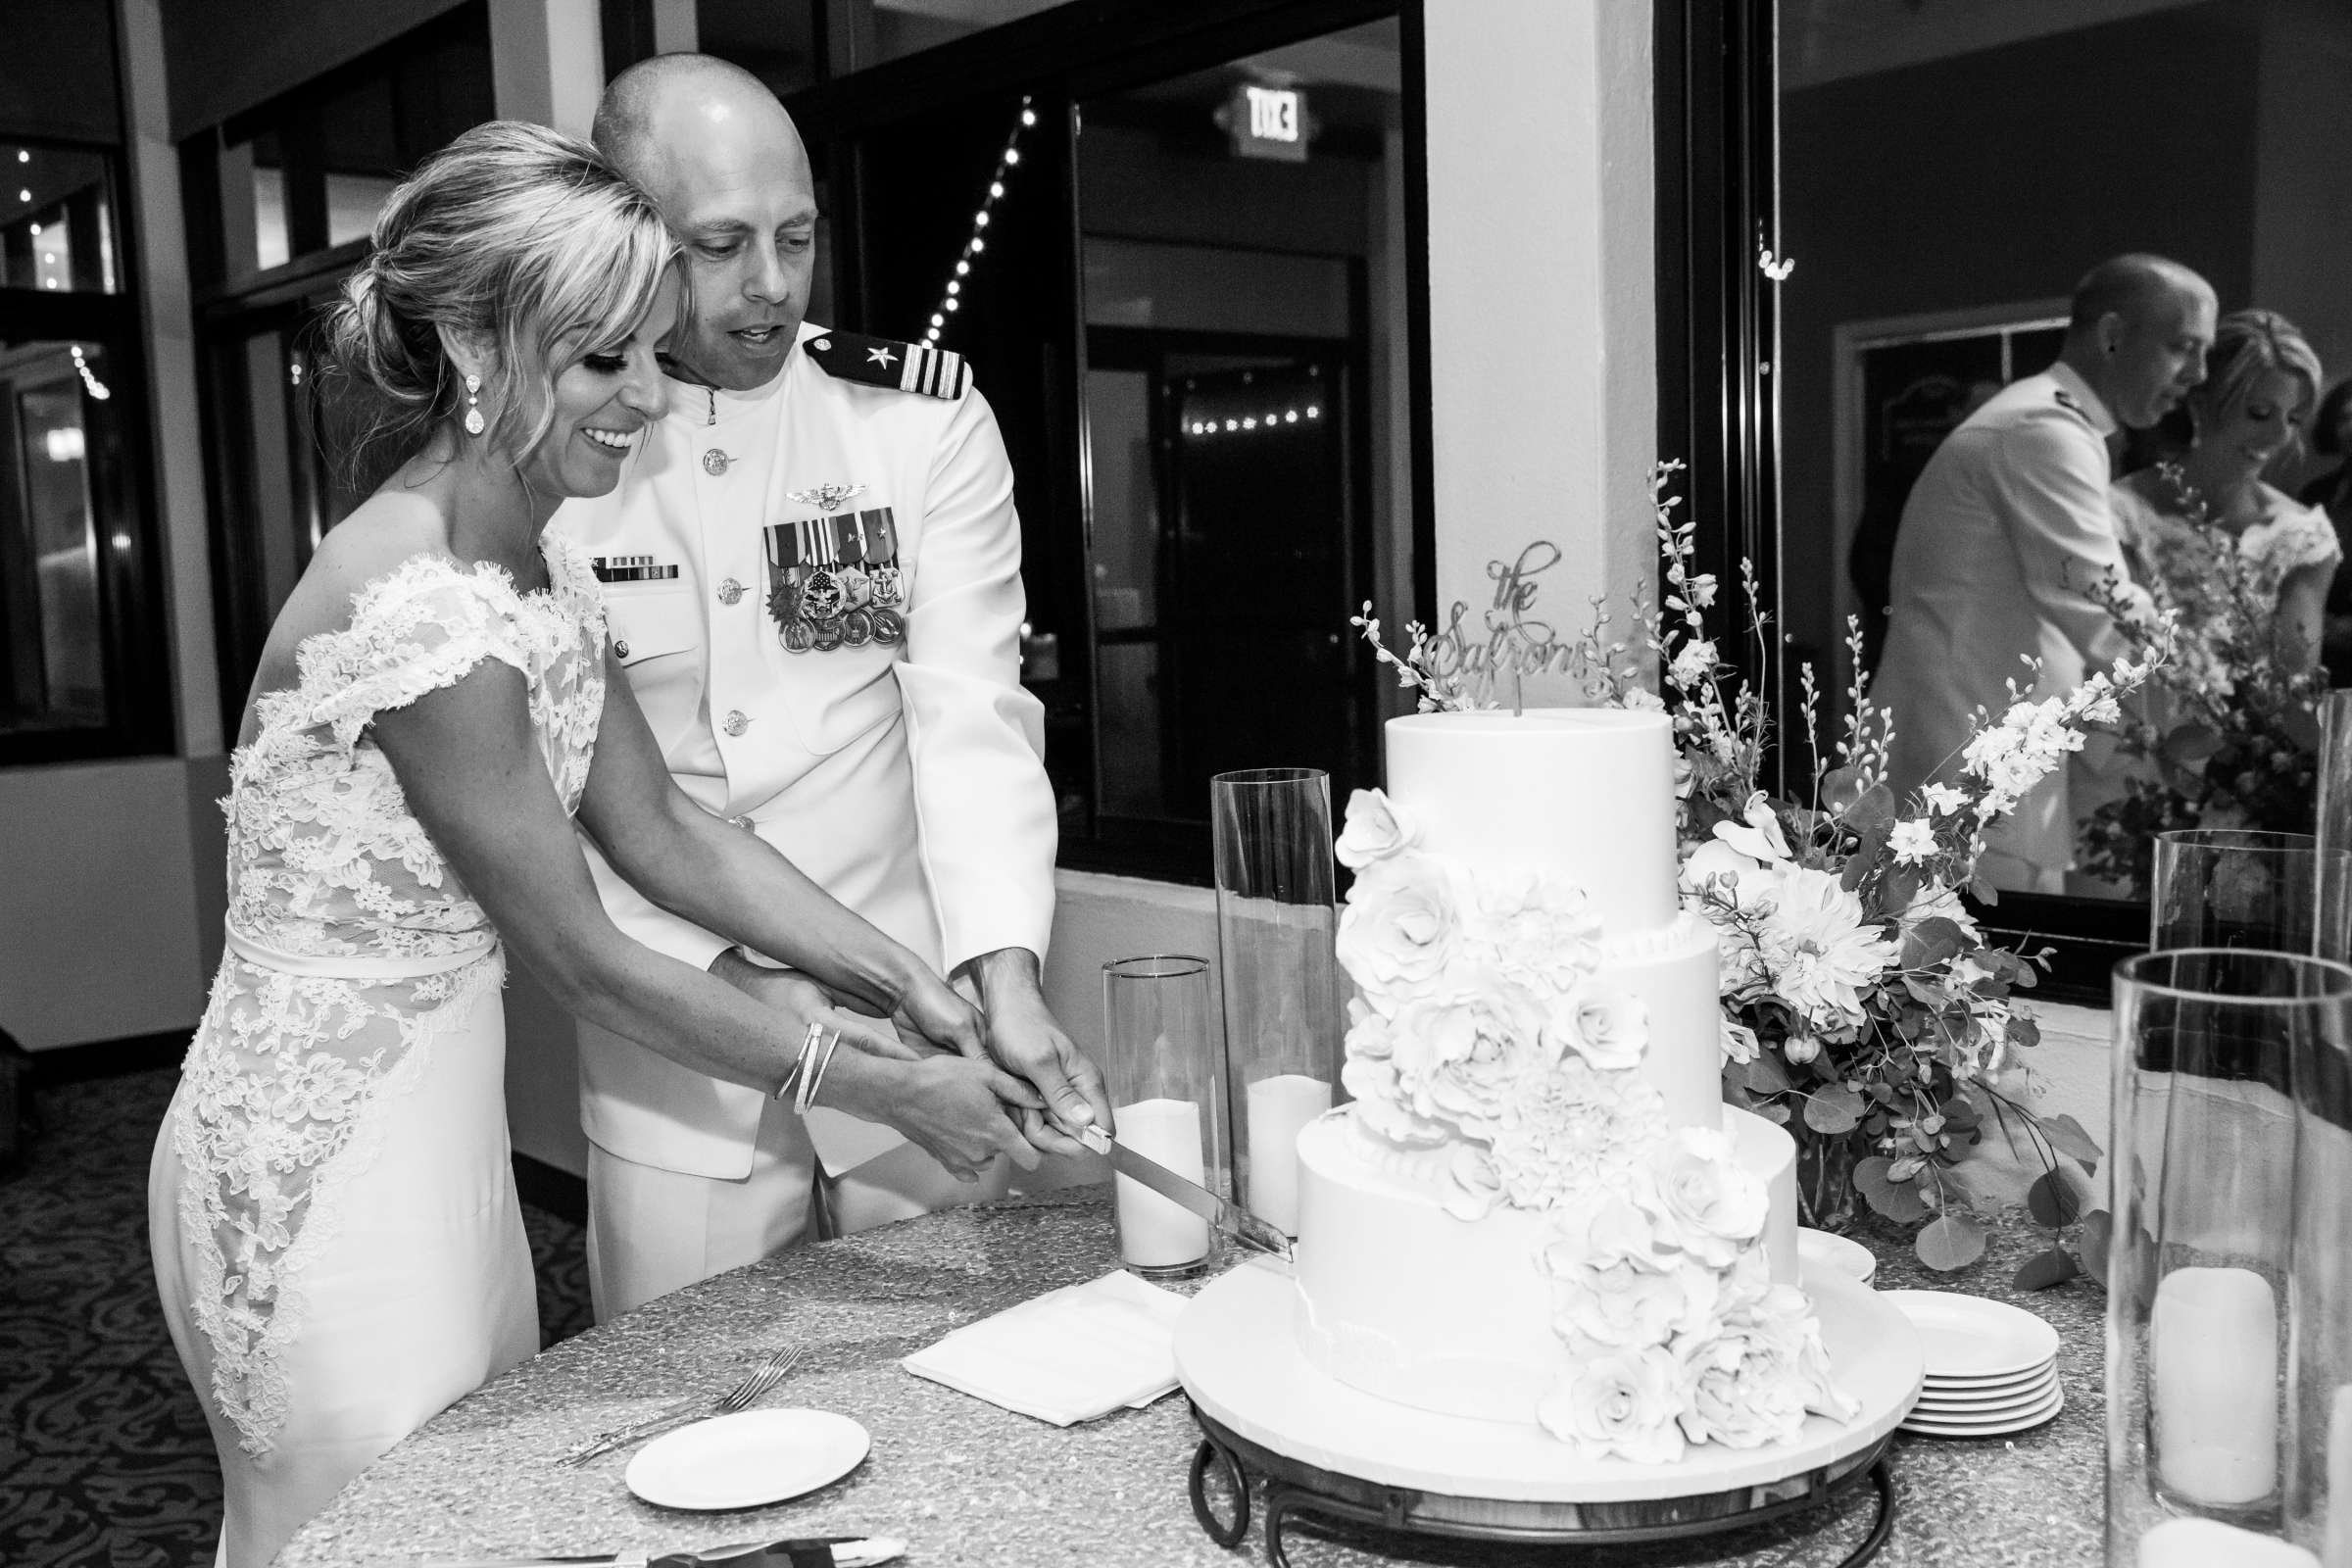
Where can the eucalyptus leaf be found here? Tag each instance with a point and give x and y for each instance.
(1953, 1241)
(2098, 1230)
(1932, 941)
(2057, 1197)
(1767, 1076)
(2069, 1138)
(1834, 1110)
(2045, 1269)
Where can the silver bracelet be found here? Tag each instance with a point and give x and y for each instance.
(792, 1075)
(816, 1076)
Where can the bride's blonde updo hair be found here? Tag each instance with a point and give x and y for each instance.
(519, 236)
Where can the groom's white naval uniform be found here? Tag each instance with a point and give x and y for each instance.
(814, 587)
(2005, 550)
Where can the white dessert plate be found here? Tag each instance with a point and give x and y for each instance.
(1991, 1426)
(2001, 1400)
(1824, 1249)
(748, 1459)
(1968, 1339)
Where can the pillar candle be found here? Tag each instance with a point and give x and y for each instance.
(2211, 1543)
(1279, 1108)
(2214, 1353)
(1155, 1232)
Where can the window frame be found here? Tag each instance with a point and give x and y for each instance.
(1063, 56)
(125, 504)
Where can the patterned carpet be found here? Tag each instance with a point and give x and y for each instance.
(104, 1456)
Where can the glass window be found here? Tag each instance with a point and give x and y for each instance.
(57, 220)
(1247, 469)
(52, 660)
(776, 44)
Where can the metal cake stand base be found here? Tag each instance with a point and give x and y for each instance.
(1328, 1452)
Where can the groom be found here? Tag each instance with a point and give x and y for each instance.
(812, 579)
(2007, 549)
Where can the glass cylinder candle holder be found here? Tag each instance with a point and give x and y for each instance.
(2333, 805)
(2242, 888)
(2319, 1446)
(2202, 1183)
(1167, 1099)
(1277, 928)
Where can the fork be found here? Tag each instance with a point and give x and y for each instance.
(761, 1378)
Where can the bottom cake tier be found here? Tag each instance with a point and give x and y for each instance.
(1402, 1299)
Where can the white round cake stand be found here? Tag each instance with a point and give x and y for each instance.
(1327, 1448)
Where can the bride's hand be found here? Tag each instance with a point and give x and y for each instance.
(956, 1111)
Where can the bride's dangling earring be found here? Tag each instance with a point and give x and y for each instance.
(473, 405)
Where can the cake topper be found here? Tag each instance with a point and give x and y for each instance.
(1457, 669)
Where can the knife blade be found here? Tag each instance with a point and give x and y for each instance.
(1227, 1216)
(819, 1552)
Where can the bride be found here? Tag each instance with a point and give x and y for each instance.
(2245, 567)
(336, 1234)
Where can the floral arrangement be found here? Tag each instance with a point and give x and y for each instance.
(1483, 1029)
(1862, 1006)
(2226, 735)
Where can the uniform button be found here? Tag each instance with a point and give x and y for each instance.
(621, 649)
(714, 463)
(729, 591)
(736, 722)
(823, 345)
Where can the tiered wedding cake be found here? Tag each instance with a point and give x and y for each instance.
(1537, 1206)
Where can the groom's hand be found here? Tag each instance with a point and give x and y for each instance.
(1025, 1040)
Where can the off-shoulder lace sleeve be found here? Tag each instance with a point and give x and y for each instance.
(2308, 539)
(420, 628)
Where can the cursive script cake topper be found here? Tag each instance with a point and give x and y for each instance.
(1460, 668)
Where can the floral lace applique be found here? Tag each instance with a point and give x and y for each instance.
(385, 948)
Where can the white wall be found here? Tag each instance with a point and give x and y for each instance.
(109, 908)
(1543, 297)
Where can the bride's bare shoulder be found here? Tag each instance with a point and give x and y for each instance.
(386, 530)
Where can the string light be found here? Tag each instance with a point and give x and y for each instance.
(1252, 423)
(90, 382)
(1011, 158)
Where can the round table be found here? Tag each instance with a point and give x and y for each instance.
(965, 1482)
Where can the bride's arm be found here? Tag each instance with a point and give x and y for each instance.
(2302, 603)
(734, 884)
(473, 775)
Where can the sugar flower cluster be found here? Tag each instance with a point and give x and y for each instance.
(1485, 1027)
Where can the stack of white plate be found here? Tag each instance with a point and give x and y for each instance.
(1991, 1369)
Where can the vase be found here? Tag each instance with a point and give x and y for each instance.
(2228, 1372)
(1160, 1066)
(1826, 1198)
(1276, 923)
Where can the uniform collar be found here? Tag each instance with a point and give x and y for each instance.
(2087, 402)
(701, 405)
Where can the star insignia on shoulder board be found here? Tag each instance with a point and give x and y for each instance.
(880, 356)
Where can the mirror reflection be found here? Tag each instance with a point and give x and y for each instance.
(2063, 355)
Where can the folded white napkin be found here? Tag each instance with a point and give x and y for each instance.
(1068, 1355)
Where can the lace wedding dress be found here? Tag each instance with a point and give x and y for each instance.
(336, 1234)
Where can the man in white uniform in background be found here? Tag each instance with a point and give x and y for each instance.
(812, 577)
(2007, 547)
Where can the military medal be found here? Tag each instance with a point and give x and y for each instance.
(825, 497)
(832, 580)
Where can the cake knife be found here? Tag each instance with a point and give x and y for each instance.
(1231, 1218)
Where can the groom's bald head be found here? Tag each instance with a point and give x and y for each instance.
(720, 158)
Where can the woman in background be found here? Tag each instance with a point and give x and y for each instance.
(2332, 493)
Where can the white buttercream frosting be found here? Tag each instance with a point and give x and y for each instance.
(1537, 1209)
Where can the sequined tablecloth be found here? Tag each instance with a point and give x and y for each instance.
(967, 1483)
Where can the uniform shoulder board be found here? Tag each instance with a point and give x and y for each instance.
(886, 362)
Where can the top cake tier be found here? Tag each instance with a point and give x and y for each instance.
(1585, 794)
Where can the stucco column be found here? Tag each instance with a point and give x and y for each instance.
(1542, 298)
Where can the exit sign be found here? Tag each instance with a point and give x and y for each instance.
(1268, 123)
